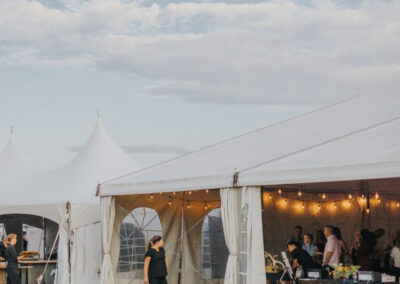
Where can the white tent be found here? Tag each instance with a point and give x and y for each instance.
(47, 193)
(357, 139)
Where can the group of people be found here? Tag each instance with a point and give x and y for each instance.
(329, 249)
(9, 253)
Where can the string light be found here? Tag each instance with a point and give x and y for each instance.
(190, 193)
(207, 191)
(169, 200)
(299, 193)
(174, 193)
(350, 196)
(319, 205)
(270, 196)
(279, 191)
(205, 205)
(335, 205)
(160, 193)
(286, 200)
(324, 196)
(151, 196)
(376, 195)
(398, 204)
(188, 204)
(367, 210)
(379, 201)
(303, 205)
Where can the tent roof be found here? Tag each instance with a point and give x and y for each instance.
(354, 139)
(26, 189)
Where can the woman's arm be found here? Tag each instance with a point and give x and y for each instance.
(146, 269)
(344, 246)
(166, 262)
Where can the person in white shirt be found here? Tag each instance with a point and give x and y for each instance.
(332, 248)
(395, 259)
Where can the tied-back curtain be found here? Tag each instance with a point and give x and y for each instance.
(251, 200)
(230, 213)
(107, 205)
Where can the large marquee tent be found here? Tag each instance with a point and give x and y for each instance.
(351, 146)
(65, 196)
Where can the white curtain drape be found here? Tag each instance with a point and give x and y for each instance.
(230, 213)
(62, 276)
(107, 205)
(86, 254)
(251, 200)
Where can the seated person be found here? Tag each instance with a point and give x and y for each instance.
(301, 258)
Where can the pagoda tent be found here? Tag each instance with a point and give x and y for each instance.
(66, 196)
(348, 147)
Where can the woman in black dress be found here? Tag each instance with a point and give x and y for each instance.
(12, 260)
(155, 262)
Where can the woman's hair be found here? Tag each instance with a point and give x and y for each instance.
(320, 236)
(337, 233)
(10, 237)
(153, 241)
(398, 242)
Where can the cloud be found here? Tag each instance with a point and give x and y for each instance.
(273, 53)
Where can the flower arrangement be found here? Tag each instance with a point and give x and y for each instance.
(344, 272)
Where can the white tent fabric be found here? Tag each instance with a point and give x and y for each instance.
(318, 141)
(107, 226)
(86, 258)
(230, 214)
(255, 269)
(46, 193)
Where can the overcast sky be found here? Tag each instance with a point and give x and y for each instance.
(175, 75)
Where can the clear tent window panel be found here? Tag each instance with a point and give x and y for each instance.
(214, 253)
(137, 228)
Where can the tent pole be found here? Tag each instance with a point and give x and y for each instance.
(181, 241)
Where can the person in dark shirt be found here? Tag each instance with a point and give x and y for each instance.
(297, 237)
(155, 262)
(12, 260)
(301, 258)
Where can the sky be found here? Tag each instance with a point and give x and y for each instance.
(172, 76)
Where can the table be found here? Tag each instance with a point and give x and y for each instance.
(332, 281)
(22, 268)
(37, 269)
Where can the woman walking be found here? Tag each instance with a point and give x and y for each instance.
(12, 260)
(155, 262)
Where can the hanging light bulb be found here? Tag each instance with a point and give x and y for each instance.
(190, 192)
(350, 196)
(205, 205)
(279, 191)
(169, 200)
(207, 191)
(376, 195)
(398, 204)
(286, 201)
(174, 193)
(367, 210)
(349, 202)
(303, 205)
(151, 196)
(188, 204)
(299, 193)
(270, 196)
(319, 205)
(324, 196)
(335, 205)
(379, 201)
(160, 193)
